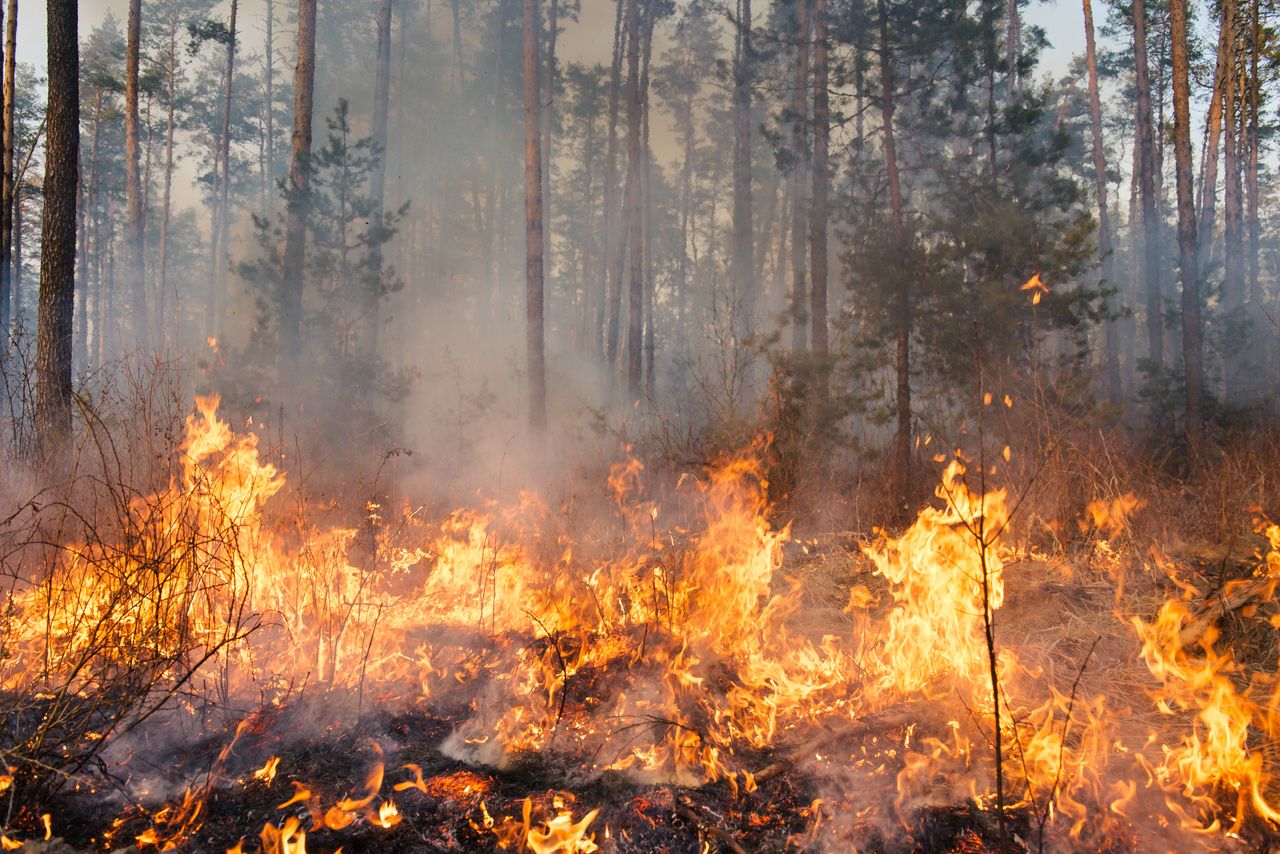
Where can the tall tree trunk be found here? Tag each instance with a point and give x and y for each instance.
(821, 179)
(87, 225)
(535, 359)
(1192, 349)
(489, 306)
(989, 15)
(135, 244)
(1233, 290)
(1013, 45)
(166, 200)
(1146, 188)
(902, 309)
(8, 187)
(269, 75)
(545, 123)
(614, 235)
(17, 252)
(799, 165)
(293, 274)
(744, 274)
(372, 292)
(1114, 390)
(646, 200)
(58, 237)
(690, 133)
(635, 283)
(1255, 90)
(1213, 130)
(220, 225)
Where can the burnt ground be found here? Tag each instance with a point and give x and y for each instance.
(450, 815)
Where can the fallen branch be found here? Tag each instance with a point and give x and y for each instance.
(719, 833)
(1235, 596)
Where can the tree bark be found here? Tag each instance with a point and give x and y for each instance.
(166, 199)
(1013, 44)
(1213, 129)
(58, 237)
(135, 243)
(635, 284)
(1146, 188)
(689, 131)
(744, 275)
(545, 123)
(902, 309)
(614, 236)
(1112, 368)
(269, 75)
(1255, 89)
(220, 225)
(646, 201)
(293, 274)
(87, 225)
(799, 165)
(372, 292)
(534, 356)
(1232, 209)
(1192, 349)
(819, 214)
(8, 188)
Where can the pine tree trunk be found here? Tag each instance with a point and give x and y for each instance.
(821, 179)
(744, 275)
(135, 243)
(614, 235)
(902, 310)
(87, 225)
(1232, 208)
(221, 225)
(635, 283)
(293, 274)
(799, 175)
(1255, 87)
(1146, 189)
(1013, 43)
(489, 306)
(546, 120)
(1105, 247)
(166, 200)
(269, 75)
(58, 237)
(689, 132)
(535, 359)
(372, 292)
(646, 202)
(8, 188)
(1213, 130)
(1192, 349)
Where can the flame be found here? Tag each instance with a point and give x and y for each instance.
(517, 609)
(267, 772)
(559, 834)
(388, 815)
(1112, 517)
(288, 839)
(937, 571)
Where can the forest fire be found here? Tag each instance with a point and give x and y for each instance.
(787, 426)
(678, 658)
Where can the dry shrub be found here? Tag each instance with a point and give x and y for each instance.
(106, 574)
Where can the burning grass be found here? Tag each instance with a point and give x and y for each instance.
(644, 669)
